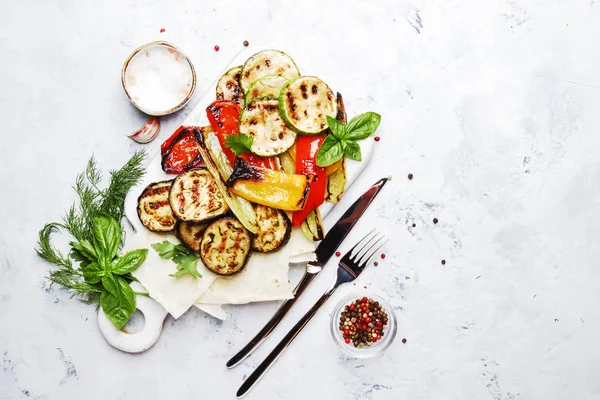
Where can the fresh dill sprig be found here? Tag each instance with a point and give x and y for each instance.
(78, 221)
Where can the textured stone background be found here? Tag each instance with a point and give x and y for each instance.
(492, 105)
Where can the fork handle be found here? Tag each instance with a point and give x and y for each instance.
(283, 309)
(282, 345)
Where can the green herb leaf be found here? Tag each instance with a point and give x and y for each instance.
(107, 236)
(330, 151)
(362, 126)
(337, 128)
(119, 303)
(239, 144)
(93, 273)
(353, 151)
(186, 264)
(109, 282)
(83, 251)
(169, 250)
(129, 261)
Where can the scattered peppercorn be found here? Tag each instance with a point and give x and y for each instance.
(162, 30)
(410, 176)
(246, 43)
(382, 256)
(217, 48)
(337, 254)
(414, 225)
(362, 322)
(404, 340)
(375, 263)
(435, 220)
(377, 138)
(443, 262)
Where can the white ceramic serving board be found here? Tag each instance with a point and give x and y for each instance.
(143, 340)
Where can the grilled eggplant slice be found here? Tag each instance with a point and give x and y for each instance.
(336, 173)
(267, 62)
(220, 168)
(271, 136)
(225, 246)
(228, 87)
(268, 187)
(274, 229)
(305, 103)
(266, 87)
(195, 197)
(190, 234)
(153, 207)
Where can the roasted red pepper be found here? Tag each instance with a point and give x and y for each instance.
(180, 152)
(223, 116)
(306, 153)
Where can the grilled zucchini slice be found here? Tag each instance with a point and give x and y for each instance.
(228, 87)
(274, 229)
(261, 120)
(153, 207)
(304, 104)
(267, 62)
(266, 87)
(312, 227)
(195, 197)
(190, 234)
(225, 246)
(336, 173)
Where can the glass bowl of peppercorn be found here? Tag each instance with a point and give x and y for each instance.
(363, 325)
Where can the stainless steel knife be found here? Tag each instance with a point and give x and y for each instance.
(324, 251)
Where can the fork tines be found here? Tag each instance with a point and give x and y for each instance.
(359, 256)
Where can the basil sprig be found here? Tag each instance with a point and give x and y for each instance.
(343, 138)
(100, 264)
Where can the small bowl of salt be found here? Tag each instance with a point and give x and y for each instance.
(158, 78)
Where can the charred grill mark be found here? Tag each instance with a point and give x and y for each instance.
(280, 135)
(329, 95)
(244, 171)
(247, 74)
(155, 205)
(305, 194)
(304, 96)
(341, 109)
(291, 101)
(306, 113)
(303, 88)
(270, 107)
(314, 89)
(268, 63)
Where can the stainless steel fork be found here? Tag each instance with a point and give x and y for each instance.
(349, 268)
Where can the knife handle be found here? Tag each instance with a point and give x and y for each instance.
(283, 309)
(282, 345)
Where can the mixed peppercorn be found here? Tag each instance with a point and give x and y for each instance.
(362, 322)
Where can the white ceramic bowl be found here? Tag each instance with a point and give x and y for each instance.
(158, 78)
(367, 351)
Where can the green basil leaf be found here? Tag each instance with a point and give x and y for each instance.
(330, 151)
(353, 151)
(93, 273)
(129, 261)
(84, 249)
(337, 128)
(109, 282)
(107, 236)
(120, 305)
(362, 126)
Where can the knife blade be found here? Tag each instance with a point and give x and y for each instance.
(324, 251)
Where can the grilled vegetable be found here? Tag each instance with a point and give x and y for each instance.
(288, 164)
(267, 62)
(224, 117)
(312, 227)
(225, 246)
(153, 207)
(266, 87)
(267, 187)
(195, 196)
(306, 164)
(304, 104)
(179, 152)
(220, 168)
(190, 234)
(336, 173)
(261, 121)
(274, 229)
(228, 87)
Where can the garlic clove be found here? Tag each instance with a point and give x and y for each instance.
(147, 132)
